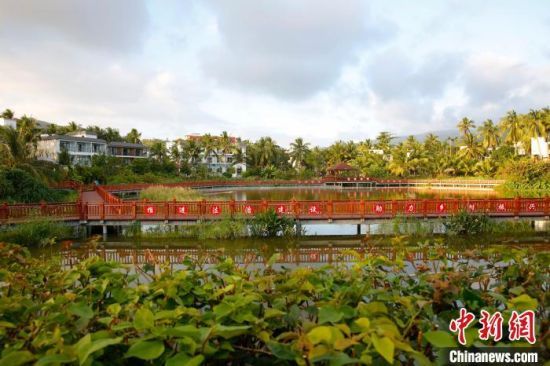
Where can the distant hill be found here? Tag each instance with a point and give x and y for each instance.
(442, 135)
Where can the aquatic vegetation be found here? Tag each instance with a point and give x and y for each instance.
(373, 311)
(269, 224)
(36, 232)
(163, 194)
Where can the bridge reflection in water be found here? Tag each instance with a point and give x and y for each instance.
(325, 254)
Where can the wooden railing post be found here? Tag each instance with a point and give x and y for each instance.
(134, 210)
(232, 207)
(330, 209)
(102, 211)
(363, 207)
(85, 211)
(393, 208)
(425, 208)
(264, 205)
(546, 206)
(166, 210)
(43, 208)
(6, 212)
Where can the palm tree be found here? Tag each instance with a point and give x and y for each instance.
(489, 135)
(471, 150)
(133, 136)
(158, 150)
(533, 126)
(383, 141)
(465, 126)
(192, 149)
(7, 114)
(209, 145)
(266, 150)
(73, 127)
(298, 152)
(511, 127)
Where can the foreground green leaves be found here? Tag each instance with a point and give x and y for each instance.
(375, 311)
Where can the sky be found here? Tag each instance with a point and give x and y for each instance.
(322, 70)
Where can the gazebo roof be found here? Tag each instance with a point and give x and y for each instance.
(341, 167)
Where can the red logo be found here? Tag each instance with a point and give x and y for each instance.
(531, 206)
(410, 208)
(249, 210)
(280, 209)
(501, 207)
(459, 325)
(378, 208)
(491, 326)
(215, 210)
(471, 207)
(183, 210)
(522, 326)
(442, 207)
(150, 210)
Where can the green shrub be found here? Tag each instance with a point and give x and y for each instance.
(35, 233)
(269, 224)
(160, 194)
(18, 185)
(465, 223)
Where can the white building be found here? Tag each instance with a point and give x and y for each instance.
(539, 147)
(7, 122)
(82, 146)
(218, 162)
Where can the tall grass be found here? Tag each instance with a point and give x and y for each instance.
(160, 193)
(38, 232)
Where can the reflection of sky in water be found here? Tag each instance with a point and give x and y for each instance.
(274, 193)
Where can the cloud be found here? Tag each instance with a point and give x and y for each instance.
(115, 26)
(290, 49)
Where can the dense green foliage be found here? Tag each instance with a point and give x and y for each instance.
(523, 176)
(38, 232)
(270, 224)
(163, 194)
(374, 310)
(17, 185)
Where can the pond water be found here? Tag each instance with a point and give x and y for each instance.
(290, 252)
(331, 193)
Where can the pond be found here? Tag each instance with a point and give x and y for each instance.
(331, 193)
(290, 252)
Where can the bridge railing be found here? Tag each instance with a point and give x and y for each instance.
(308, 210)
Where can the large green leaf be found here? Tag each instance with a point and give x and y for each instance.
(440, 338)
(229, 331)
(144, 319)
(17, 358)
(330, 314)
(85, 347)
(146, 350)
(82, 310)
(385, 347)
(183, 359)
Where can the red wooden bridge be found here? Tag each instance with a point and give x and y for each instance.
(98, 205)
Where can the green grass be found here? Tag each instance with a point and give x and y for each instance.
(38, 232)
(160, 193)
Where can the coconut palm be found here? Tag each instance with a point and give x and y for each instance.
(7, 114)
(490, 137)
(533, 126)
(209, 145)
(383, 141)
(298, 152)
(510, 125)
(192, 149)
(266, 150)
(465, 126)
(133, 136)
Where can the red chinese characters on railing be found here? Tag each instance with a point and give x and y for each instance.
(531, 206)
(149, 210)
(182, 209)
(280, 209)
(501, 207)
(378, 208)
(248, 210)
(314, 209)
(215, 210)
(441, 207)
(410, 208)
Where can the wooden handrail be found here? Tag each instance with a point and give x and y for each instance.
(114, 209)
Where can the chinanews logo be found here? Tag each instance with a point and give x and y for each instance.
(521, 326)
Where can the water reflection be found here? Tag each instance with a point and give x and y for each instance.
(331, 193)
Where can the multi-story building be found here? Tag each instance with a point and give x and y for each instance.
(83, 145)
(8, 122)
(217, 161)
